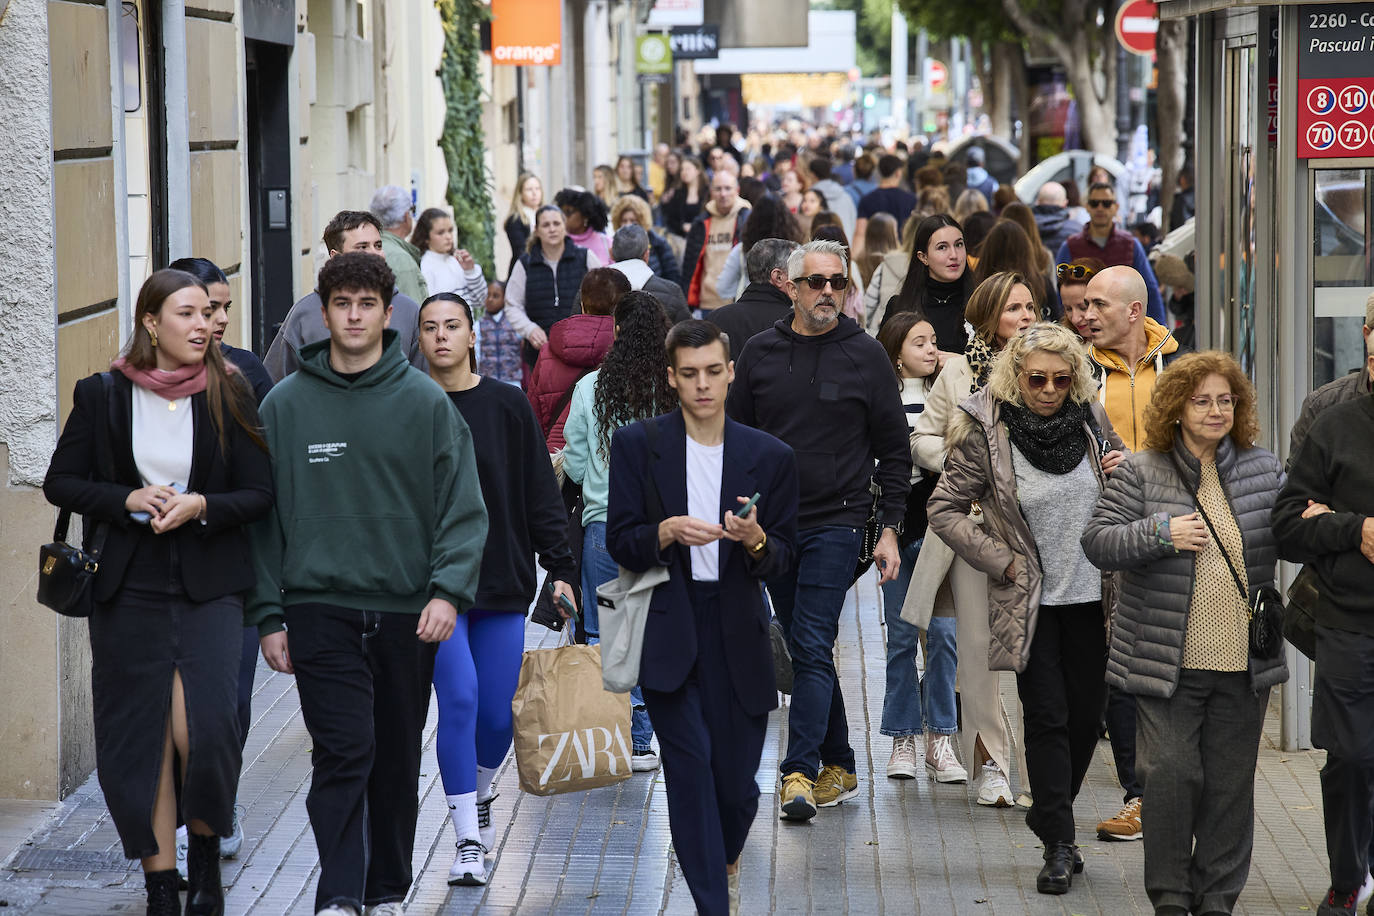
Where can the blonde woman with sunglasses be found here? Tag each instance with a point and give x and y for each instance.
(1033, 449)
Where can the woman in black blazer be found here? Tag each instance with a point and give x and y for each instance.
(164, 453)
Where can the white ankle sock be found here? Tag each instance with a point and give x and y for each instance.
(485, 777)
(462, 811)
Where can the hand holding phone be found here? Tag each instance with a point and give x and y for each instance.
(748, 507)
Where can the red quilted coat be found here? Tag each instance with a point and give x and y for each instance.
(576, 346)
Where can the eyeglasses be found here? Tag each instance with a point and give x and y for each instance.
(1099, 202)
(1075, 272)
(816, 281)
(1225, 403)
(1039, 380)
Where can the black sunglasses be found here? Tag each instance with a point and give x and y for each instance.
(1101, 203)
(816, 281)
(1075, 271)
(1038, 380)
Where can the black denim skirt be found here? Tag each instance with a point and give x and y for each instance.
(148, 631)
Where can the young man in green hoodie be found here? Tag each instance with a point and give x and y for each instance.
(379, 521)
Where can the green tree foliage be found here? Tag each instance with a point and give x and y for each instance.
(980, 21)
(469, 185)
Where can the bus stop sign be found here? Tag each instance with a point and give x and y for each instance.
(1336, 81)
(1137, 21)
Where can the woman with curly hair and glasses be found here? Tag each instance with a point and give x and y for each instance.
(632, 384)
(1186, 520)
(1033, 449)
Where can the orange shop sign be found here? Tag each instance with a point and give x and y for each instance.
(526, 32)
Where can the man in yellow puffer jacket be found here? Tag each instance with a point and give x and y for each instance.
(1129, 349)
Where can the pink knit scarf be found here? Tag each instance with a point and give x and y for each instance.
(173, 384)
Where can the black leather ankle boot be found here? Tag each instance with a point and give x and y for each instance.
(204, 895)
(164, 897)
(1057, 875)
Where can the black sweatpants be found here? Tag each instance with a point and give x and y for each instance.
(1061, 691)
(1342, 713)
(364, 680)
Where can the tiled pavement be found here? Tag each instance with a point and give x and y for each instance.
(900, 847)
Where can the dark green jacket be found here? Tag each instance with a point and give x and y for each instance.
(379, 506)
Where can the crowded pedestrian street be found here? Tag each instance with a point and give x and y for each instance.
(899, 847)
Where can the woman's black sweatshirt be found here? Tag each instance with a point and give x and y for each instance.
(524, 508)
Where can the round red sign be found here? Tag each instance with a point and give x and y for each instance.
(1137, 21)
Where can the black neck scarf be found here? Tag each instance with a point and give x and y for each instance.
(1054, 444)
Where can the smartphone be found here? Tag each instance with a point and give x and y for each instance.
(144, 518)
(744, 510)
(563, 600)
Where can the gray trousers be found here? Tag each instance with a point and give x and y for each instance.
(1197, 752)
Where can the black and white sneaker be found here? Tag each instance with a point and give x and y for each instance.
(470, 867)
(643, 761)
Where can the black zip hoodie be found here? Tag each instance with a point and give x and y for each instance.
(832, 399)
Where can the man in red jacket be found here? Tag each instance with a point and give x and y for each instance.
(577, 345)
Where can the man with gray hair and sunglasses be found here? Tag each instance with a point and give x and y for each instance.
(816, 381)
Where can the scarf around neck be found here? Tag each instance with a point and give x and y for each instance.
(1054, 444)
(979, 356)
(171, 385)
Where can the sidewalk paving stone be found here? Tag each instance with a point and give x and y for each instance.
(901, 846)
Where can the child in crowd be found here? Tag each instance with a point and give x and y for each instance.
(498, 344)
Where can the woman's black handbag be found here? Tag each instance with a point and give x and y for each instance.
(66, 574)
(873, 530)
(1266, 606)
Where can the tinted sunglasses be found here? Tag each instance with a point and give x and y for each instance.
(1075, 272)
(1038, 380)
(1101, 203)
(816, 281)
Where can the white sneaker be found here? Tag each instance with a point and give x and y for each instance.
(337, 910)
(941, 762)
(902, 764)
(394, 908)
(994, 790)
(1366, 891)
(230, 845)
(643, 761)
(183, 849)
(484, 828)
(470, 867)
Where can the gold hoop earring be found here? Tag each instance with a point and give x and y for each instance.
(152, 333)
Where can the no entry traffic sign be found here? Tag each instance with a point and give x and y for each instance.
(1336, 81)
(1137, 21)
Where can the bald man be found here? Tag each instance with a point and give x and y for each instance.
(1052, 215)
(714, 232)
(1129, 351)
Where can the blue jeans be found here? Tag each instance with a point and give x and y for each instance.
(597, 569)
(808, 599)
(906, 698)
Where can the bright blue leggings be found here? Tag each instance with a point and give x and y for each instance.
(475, 673)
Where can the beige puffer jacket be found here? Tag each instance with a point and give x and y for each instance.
(979, 469)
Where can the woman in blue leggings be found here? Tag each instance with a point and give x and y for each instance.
(476, 670)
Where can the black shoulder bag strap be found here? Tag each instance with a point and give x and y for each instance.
(105, 464)
(1192, 490)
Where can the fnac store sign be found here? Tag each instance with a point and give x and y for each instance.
(526, 32)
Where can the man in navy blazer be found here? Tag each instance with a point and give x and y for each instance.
(707, 669)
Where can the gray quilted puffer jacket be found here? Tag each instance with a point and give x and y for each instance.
(1157, 587)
